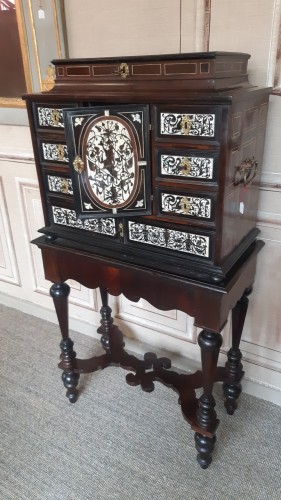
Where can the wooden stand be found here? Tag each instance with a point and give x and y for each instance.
(208, 304)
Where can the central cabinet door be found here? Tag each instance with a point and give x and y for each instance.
(109, 160)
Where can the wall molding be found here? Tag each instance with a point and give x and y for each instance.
(9, 271)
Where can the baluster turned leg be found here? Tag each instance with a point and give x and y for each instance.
(210, 344)
(106, 320)
(59, 293)
(234, 368)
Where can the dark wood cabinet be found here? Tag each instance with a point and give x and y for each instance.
(149, 174)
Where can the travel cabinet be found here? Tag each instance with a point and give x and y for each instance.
(149, 174)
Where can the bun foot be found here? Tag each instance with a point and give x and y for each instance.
(70, 382)
(205, 447)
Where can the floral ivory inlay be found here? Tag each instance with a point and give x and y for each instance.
(67, 217)
(168, 238)
(200, 168)
(186, 205)
(201, 125)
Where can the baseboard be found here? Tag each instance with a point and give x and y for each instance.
(252, 386)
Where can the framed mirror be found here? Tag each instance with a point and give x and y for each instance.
(32, 33)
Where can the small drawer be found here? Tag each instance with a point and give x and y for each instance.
(53, 151)
(189, 164)
(59, 184)
(185, 205)
(50, 116)
(188, 123)
(192, 243)
(67, 217)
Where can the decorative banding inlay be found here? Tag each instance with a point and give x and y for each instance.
(78, 71)
(180, 68)
(146, 69)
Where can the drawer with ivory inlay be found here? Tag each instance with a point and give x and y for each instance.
(194, 123)
(186, 165)
(167, 240)
(53, 151)
(185, 205)
(50, 116)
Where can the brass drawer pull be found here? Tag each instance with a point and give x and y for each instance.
(246, 172)
(78, 164)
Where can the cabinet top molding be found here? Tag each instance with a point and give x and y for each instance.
(199, 71)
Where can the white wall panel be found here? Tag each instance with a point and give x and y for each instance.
(97, 28)
(8, 264)
(241, 26)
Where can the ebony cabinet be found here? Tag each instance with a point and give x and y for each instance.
(149, 173)
(154, 158)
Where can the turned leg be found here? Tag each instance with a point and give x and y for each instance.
(59, 293)
(106, 320)
(207, 421)
(234, 368)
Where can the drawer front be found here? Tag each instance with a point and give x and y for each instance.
(187, 164)
(59, 184)
(185, 205)
(50, 116)
(195, 244)
(67, 217)
(188, 123)
(53, 151)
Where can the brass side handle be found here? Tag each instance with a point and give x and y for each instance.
(78, 164)
(246, 172)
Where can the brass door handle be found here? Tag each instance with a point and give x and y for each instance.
(78, 164)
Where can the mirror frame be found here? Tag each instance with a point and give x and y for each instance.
(35, 70)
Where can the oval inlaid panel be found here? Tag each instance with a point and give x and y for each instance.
(111, 167)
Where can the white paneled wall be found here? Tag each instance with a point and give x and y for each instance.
(97, 28)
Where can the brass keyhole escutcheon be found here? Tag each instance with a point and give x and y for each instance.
(185, 205)
(123, 70)
(186, 124)
(61, 152)
(55, 117)
(78, 164)
(185, 166)
(121, 229)
(64, 186)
